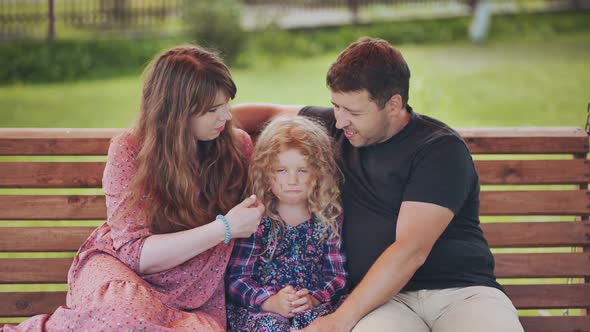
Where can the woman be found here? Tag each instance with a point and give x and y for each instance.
(158, 261)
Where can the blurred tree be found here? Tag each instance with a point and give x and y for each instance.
(354, 10)
(119, 10)
(215, 25)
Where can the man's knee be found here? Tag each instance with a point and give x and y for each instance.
(392, 316)
(487, 309)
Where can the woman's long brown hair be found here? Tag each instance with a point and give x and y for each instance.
(183, 182)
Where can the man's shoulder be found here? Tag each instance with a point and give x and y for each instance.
(434, 131)
(316, 111)
(323, 115)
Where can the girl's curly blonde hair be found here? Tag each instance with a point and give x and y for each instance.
(313, 142)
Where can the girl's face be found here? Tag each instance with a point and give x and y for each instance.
(209, 125)
(290, 182)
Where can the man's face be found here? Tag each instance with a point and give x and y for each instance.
(360, 118)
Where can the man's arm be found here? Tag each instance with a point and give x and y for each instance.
(251, 117)
(419, 225)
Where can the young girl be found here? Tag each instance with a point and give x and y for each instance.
(292, 269)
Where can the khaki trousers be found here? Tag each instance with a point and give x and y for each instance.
(468, 309)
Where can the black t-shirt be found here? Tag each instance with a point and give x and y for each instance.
(425, 162)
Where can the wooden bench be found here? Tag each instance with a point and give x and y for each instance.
(535, 195)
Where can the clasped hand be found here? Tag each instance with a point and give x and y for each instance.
(288, 302)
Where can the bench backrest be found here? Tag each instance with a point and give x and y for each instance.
(535, 205)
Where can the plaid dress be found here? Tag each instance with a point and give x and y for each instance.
(303, 257)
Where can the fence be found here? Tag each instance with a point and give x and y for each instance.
(47, 18)
(309, 13)
(40, 18)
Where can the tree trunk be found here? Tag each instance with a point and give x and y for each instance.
(353, 5)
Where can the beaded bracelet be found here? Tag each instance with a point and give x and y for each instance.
(226, 225)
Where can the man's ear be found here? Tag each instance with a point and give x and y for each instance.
(395, 103)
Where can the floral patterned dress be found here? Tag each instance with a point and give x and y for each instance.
(304, 257)
(105, 291)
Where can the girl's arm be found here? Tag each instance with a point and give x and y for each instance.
(334, 272)
(241, 286)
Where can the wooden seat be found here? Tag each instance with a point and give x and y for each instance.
(534, 201)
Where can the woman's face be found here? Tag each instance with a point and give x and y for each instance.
(209, 125)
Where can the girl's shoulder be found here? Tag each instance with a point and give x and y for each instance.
(265, 224)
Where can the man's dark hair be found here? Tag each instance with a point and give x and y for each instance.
(371, 64)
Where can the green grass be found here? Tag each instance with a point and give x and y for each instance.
(534, 82)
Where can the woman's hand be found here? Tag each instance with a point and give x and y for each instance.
(245, 217)
(305, 301)
(280, 303)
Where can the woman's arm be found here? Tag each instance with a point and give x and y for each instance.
(161, 252)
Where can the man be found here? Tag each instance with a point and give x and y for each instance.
(417, 258)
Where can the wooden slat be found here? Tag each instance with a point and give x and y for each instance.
(549, 296)
(539, 140)
(34, 270)
(556, 324)
(52, 207)
(55, 141)
(537, 234)
(575, 171)
(32, 239)
(48, 270)
(30, 303)
(498, 235)
(52, 300)
(552, 202)
(508, 132)
(507, 266)
(89, 174)
(542, 265)
(51, 174)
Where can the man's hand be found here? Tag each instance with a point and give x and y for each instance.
(304, 301)
(280, 303)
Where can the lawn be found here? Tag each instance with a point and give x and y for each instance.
(504, 83)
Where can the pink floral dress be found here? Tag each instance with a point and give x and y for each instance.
(105, 291)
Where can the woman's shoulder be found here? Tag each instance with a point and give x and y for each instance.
(124, 143)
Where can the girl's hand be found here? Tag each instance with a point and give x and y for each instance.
(280, 303)
(304, 301)
(245, 217)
